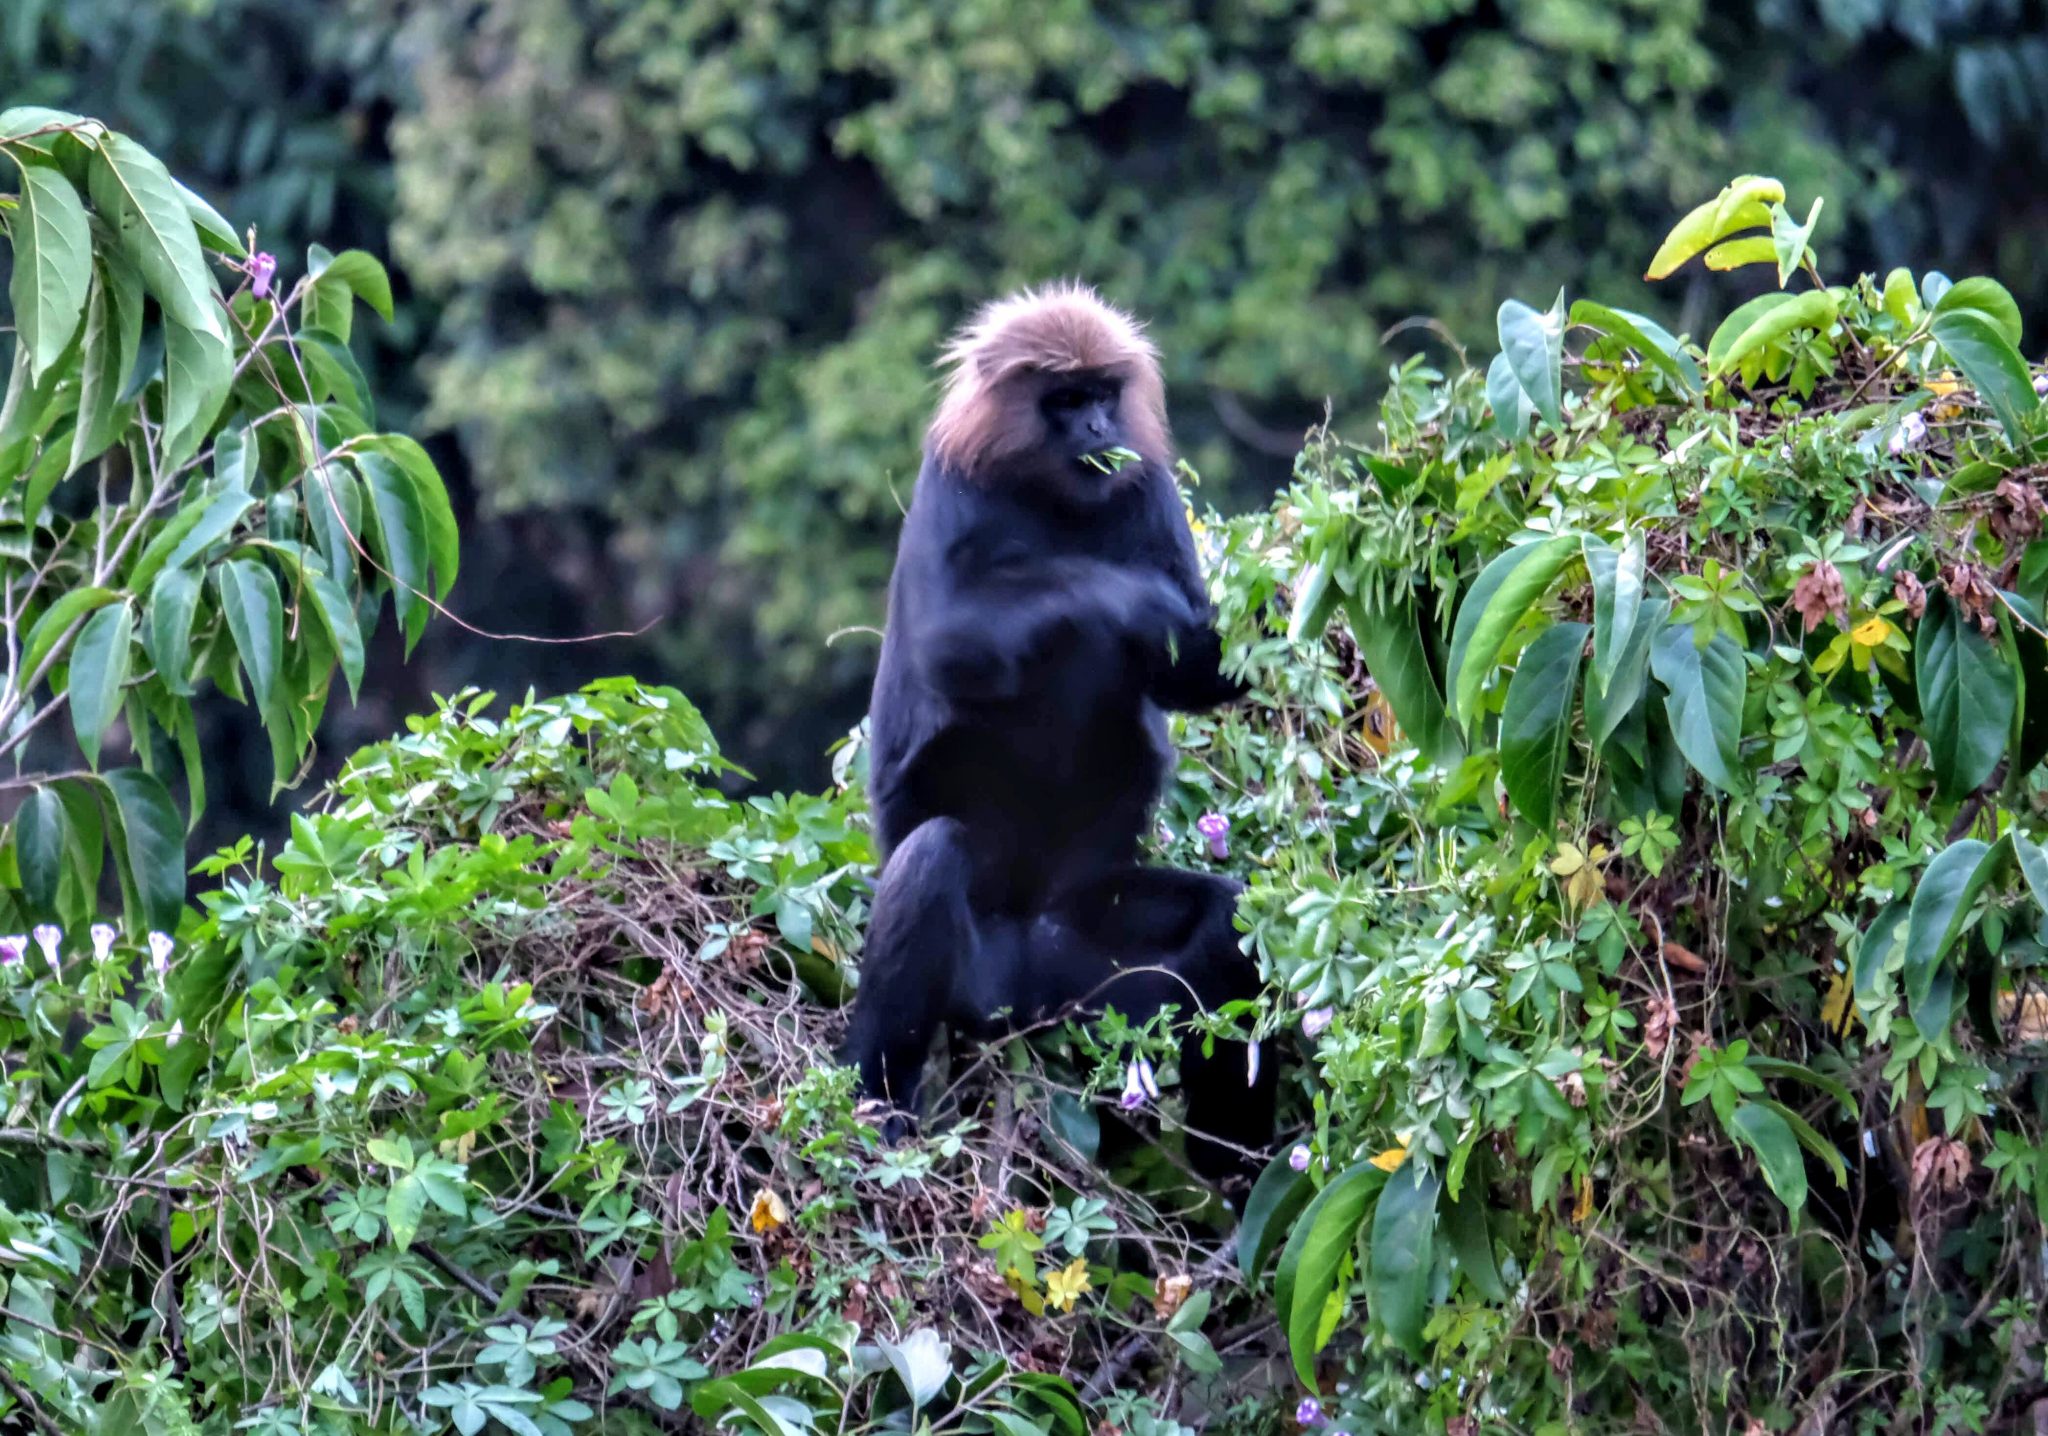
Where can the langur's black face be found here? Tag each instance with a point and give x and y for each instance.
(1083, 423)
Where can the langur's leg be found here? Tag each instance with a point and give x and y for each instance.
(921, 935)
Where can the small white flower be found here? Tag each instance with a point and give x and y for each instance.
(1785, 452)
(175, 1035)
(102, 941)
(1316, 1021)
(1912, 429)
(1299, 1157)
(13, 948)
(1139, 1085)
(2041, 385)
(1251, 1065)
(160, 945)
(50, 938)
(1869, 1143)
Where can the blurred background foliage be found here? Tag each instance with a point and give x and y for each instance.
(672, 272)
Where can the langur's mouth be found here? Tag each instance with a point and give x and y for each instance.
(1110, 461)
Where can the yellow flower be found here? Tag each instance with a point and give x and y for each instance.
(1391, 1159)
(1194, 524)
(1837, 1012)
(1584, 1208)
(769, 1212)
(1583, 883)
(1066, 1286)
(1872, 631)
(1945, 383)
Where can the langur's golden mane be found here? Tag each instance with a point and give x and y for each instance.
(987, 413)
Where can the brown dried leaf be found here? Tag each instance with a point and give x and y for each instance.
(1909, 590)
(1940, 1166)
(1819, 595)
(1168, 1292)
(1658, 1021)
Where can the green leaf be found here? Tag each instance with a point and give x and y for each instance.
(1471, 1236)
(1813, 1141)
(1901, 298)
(1391, 644)
(1990, 299)
(255, 615)
(1968, 694)
(40, 833)
(364, 273)
(135, 194)
(404, 1208)
(1315, 598)
(214, 230)
(335, 372)
(1940, 909)
(1278, 1195)
(1993, 367)
(1536, 723)
(443, 547)
(338, 616)
(334, 507)
(1403, 1253)
(1314, 1255)
(1533, 341)
(113, 333)
(1765, 319)
(1605, 711)
(1736, 253)
(1880, 940)
(1791, 243)
(1495, 603)
(48, 630)
(1617, 600)
(99, 666)
(155, 840)
(1511, 406)
(52, 261)
(1740, 205)
(167, 636)
(1766, 1133)
(198, 368)
(2033, 861)
(190, 533)
(401, 530)
(1657, 347)
(1704, 692)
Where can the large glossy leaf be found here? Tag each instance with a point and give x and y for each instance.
(1617, 599)
(46, 632)
(443, 549)
(1278, 1195)
(1471, 1237)
(255, 614)
(1990, 299)
(1533, 341)
(1645, 336)
(401, 533)
(1704, 691)
(154, 839)
(1315, 599)
(1536, 723)
(191, 532)
(52, 261)
(136, 195)
(1605, 711)
(198, 368)
(113, 333)
(1941, 906)
(1742, 204)
(334, 508)
(1403, 1253)
(1492, 607)
(1766, 1133)
(1880, 940)
(1391, 643)
(1993, 367)
(1766, 318)
(1314, 1254)
(99, 666)
(338, 616)
(1511, 407)
(40, 833)
(167, 627)
(1967, 696)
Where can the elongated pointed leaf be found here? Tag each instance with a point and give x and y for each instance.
(1766, 1133)
(52, 261)
(40, 832)
(1880, 940)
(1536, 723)
(49, 630)
(214, 230)
(154, 837)
(334, 509)
(1791, 242)
(338, 616)
(1813, 1141)
(363, 273)
(1605, 711)
(401, 531)
(1941, 906)
(198, 368)
(99, 666)
(167, 633)
(113, 331)
(1617, 599)
(1511, 406)
(1763, 320)
(1471, 1237)
(1495, 603)
(1968, 693)
(443, 548)
(1657, 347)
(1740, 205)
(1704, 691)
(1990, 299)
(1403, 1252)
(255, 614)
(1278, 1195)
(136, 194)
(1736, 253)
(1314, 1254)
(1993, 367)
(1533, 341)
(1391, 644)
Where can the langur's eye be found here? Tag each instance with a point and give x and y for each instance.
(1066, 400)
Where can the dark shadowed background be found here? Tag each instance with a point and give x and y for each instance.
(671, 272)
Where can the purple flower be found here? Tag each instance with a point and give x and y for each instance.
(261, 267)
(50, 938)
(1912, 429)
(160, 952)
(1309, 1412)
(1216, 828)
(1299, 1157)
(2041, 385)
(103, 937)
(1139, 1085)
(13, 948)
(1316, 1021)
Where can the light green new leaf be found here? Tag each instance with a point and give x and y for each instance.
(52, 261)
(1765, 319)
(136, 194)
(1736, 253)
(1533, 341)
(1766, 1133)
(1704, 691)
(1968, 694)
(1791, 242)
(1740, 205)
(1314, 1254)
(1403, 1252)
(1993, 367)
(99, 668)
(154, 838)
(1536, 723)
(1495, 603)
(255, 614)
(1941, 907)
